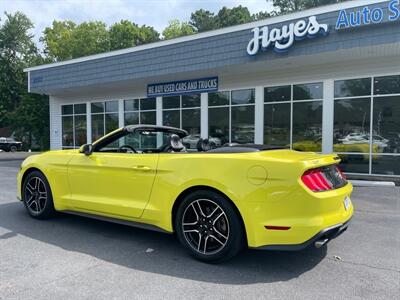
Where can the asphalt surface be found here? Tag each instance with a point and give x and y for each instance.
(70, 257)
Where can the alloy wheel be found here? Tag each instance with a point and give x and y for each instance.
(205, 226)
(35, 195)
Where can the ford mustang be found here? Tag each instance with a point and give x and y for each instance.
(215, 201)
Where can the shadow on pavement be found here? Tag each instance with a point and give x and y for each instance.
(126, 246)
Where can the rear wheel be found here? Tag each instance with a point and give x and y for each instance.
(37, 196)
(209, 227)
(13, 149)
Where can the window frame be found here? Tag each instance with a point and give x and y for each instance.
(73, 115)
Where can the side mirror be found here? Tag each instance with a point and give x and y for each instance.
(86, 149)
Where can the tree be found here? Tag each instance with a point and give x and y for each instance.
(176, 29)
(26, 114)
(262, 15)
(233, 16)
(127, 34)
(58, 40)
(147, 34)
(286, 6)
(66, 40)
(203, 20)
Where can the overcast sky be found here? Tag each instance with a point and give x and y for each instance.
(155, 13)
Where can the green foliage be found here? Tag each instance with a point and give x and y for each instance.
(233, 16)
(25, 113)
(176, 29)
(58, 40)
(66, 40)
(287, 6)
(127, 34)
(203, 20)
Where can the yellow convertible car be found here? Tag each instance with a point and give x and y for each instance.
(215, 201)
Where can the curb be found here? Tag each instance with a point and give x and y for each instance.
(366, 183)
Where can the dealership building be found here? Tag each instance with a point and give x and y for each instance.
(325, 80)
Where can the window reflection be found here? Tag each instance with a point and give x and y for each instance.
(352, 125)
(171, 118)
(386, 122)
(67, 131)
(80, 130)
(277, 124)
(307, 91)
(307, 126)
(219, 98)
(353, 87)
(243, 96)
(386, 165)
(352, 163)
(242, 124)
(73, 125)
(277, 93)
(387, 85)
(218, 124)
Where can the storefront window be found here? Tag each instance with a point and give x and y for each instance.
(277, 124)
(74, 127)
(387, 85)
(218, 99)
(386, 122)
(140, 111)
(298, 106)
(386, 164)
(104, 117)
(242, 124)
(308, 91)
(218, 124)
(68, 131)
(352, 119)
(352, 88)
(172, 118)
(278, 93)
(231, 117)
(241, 97)
(307, 126)
(386, 126)
(183, 112)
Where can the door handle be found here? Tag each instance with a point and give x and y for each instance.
(141, 168)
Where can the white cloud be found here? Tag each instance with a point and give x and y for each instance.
(155, 13)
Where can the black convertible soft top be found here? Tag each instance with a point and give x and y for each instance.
(243, 148)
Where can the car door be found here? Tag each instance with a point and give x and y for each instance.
(113, 184)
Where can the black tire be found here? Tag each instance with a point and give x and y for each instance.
(37, 196)
(226, 229)
(13, 149)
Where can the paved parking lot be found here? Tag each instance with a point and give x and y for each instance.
(70, 257)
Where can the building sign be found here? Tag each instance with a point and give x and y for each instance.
(183, 87)
(281, 39)
(366, 16)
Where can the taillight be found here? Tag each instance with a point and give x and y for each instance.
(324, 179)
(341, 174)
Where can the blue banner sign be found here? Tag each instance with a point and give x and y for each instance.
(191, 86)
(365, 16)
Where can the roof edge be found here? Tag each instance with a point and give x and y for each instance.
(269, 21)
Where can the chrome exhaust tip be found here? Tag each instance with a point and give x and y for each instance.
(318, 244)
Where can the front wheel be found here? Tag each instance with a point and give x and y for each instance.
(209, 227)
(37, 196)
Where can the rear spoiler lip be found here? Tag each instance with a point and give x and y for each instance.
(320, 161)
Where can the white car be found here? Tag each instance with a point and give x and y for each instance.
(191, 141)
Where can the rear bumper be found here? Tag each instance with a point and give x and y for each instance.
(320, 239)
